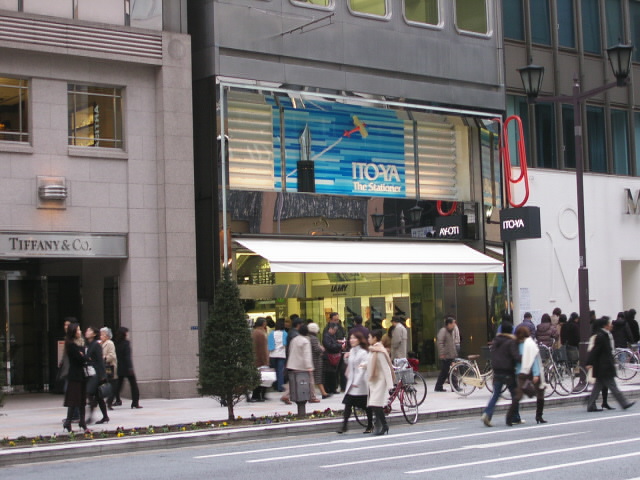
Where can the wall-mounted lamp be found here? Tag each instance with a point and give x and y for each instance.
(52, 192)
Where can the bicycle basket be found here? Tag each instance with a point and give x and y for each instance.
(406, 375)
(560, 355)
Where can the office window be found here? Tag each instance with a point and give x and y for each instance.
(566, 26)
(471, 16)
(95, 116)
(591, 26)
(518, 106)
(619, 141)
(546, 136)
(614, 22)
(634, 13)
(568, 136)
(422, 11)
(596, 140)
(319, 3)
(14, 110)
(371, 7)
(636, 117)
(540, 22)
(513, 19)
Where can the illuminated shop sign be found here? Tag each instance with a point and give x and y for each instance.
(26, 244)
(452, 226)
(519, 223)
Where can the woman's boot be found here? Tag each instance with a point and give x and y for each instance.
(345, 419)
(605, 395)
(539, 409)
(381, 422)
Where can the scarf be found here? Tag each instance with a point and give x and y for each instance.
(375, 350)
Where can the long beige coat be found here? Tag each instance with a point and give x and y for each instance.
(382, 381)
(109, 355)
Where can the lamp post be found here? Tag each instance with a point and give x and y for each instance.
(531, 76)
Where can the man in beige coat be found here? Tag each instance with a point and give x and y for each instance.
(398, 339)
(446, 350)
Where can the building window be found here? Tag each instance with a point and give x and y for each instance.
(634, 13)
(614, 22)
(369, 7)
(95, 116)
(568, 136)
(14, 109)
(314, 3)
(471, 16)
(546, 136)
(636, 117)
(596, 140)
(566, 26)
(540, 22)
(422, 11)
(518, 106)
(513, 19)
(591, 26)
(619, 141)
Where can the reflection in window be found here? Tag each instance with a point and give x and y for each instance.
(596, 139)
(95, 116)
(614, 22)
(540, 22)
(619, 134)
(568, 136)
(591, 26)
(518, 106)
(422, 11)
(372, 7)
(513, 18)
(471, 15)
(146, 14)
(566, 27)
(545, 136)
(634, 14)
(14, 121)
(320, 3)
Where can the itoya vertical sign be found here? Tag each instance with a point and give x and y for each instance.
(519, 223)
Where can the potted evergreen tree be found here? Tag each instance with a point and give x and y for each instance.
(227, 368)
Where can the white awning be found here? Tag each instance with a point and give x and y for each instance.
(348, 256)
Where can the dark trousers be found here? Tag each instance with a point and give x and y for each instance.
(381, 421)
(135, 393)
(513, 414)
(610, 383)
(348, 408)
(97, 400)
(445, 365)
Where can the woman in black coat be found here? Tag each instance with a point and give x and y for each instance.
(94, 358)
(76, 395)
(334, 347)
(601, 361)
(125, 367)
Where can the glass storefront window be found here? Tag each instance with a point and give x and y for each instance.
(14, 110)
(422, 11)
(95, 116)
(370, 7)
(471, 16)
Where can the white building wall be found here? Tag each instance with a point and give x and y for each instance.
(545, 270)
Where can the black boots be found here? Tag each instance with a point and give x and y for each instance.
(381, 426)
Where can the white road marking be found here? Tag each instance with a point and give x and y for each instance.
(564, 465)
(450, 450)
(515, 457)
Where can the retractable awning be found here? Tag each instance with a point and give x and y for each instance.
(348, 256)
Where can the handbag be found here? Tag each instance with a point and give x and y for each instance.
(528, 388)
(334, 359)
(105, 390)
(89, 371)
(267, 376)
(110, 371)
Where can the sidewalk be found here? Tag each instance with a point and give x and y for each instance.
(31, 415)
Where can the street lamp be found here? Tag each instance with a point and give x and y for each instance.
(531, 76)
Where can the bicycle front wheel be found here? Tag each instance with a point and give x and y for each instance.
(420, 387)
(360, 415)
(565, 380)
(626, 364)
(551, 380)
(409, 405)
(580, 383)
(463, 378)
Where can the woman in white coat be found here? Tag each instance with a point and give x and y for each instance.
(357, 388)
(380, 377)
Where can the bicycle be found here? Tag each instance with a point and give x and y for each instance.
(406, 393)
(465, 376)
(626, 362)
(559, 376)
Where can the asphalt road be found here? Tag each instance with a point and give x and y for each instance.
(574, 444)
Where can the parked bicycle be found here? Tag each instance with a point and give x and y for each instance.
(562, 377)
(465, 376)
(627, 363)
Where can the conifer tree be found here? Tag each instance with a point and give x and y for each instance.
(227, 369)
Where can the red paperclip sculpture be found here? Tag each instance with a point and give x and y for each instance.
(506, 158)
(454, 205)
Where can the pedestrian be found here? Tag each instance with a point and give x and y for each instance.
(299, 362)
(341, 380)
(546, 333)
(380, 379)
(528, 322)
(75, 396)
(294, 331)
(261, 355)
(357, 387)
(633, 325)
(359, 327)
(125, 368)
(621, 332)
(399, 339)
(94, 358)
(570, 337)
(317, 352)
(110, 362)
(595, 328)
(332, 357)
(277, 346)
(528, 369)
(600, 361)
(504, 357)
(446, 351)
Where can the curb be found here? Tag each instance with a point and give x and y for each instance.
(159, 441)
